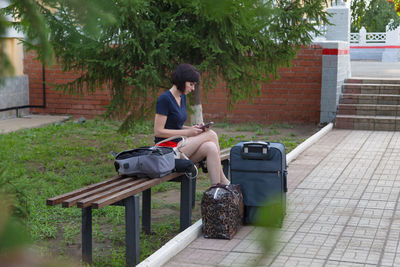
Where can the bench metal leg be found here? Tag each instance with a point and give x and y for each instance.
(132, 230)
(146, 211)
(193, 192)
(87, 235)
(225, 168)
(186, 203)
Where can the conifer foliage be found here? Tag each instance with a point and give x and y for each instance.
(139, 42)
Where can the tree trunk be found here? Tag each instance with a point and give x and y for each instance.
(197, 116)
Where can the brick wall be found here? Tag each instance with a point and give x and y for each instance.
(58, 102)
(295, 97)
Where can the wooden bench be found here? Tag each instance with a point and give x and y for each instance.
(124, 191)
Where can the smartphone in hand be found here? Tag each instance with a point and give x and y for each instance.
(207, 125)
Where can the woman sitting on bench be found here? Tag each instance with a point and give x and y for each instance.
(170, 116)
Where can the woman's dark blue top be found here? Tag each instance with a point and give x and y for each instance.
(176, 115)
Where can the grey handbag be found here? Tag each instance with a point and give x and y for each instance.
(152, 162)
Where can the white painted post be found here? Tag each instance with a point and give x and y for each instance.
(335, 70)
(336, 66)
(363, 36)
(392, 36)
(340, 19)
(391, 54)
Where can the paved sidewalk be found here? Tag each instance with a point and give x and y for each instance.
(30, 121)
(373, 69)
(342, 210)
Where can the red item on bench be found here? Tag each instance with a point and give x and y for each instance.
(168, 143)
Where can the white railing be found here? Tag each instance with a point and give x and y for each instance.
(364, 38)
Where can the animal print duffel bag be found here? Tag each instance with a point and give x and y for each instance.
(222, 211)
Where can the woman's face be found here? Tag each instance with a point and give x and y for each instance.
(189, 87)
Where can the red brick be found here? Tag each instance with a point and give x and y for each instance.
(295, 97)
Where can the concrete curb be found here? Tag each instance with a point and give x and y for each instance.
(182, 240)
(307, 143)
(174, 246)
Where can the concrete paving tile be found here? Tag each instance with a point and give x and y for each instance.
(380, 196)
(240, 259)
(322, 228)
(388, 259)
(332, 210)
(392, 246)
(368, 244)
(393, 235)
(395, 223)
(352, 255)
(336, 254)
(309, 251)
(243, 231)
(293, 227)
(373, 258)
(199, 256)
(249, 246)
(396, 260)
(377, 204)
(285, 236)
(277, 262)
(293, 217)
(360, 231)
(297, 261)
(313, 239)
(373, 213)
(179, 264)
(333, 263)
(345, 193)
(214, 244)
(380, 223)
(257, 233)
(328, 219)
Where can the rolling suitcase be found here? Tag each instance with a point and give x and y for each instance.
(260, 169)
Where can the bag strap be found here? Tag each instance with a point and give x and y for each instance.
(223, 186)
(182, 143)
(226, 187)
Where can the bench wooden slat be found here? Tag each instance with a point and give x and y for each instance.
(224, 154)
(72, 201)
(86, 202)
(86, 195)
(132, 191)
(58, 199)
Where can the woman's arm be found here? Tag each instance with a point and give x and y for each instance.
(160, 131)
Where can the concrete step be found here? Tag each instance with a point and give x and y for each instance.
(369, 110)
(373, 80)
(370, 99)
(374, 123)
(361, 88)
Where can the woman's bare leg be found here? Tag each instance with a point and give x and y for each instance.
(209, 150)
(193, 143)
(206, 146)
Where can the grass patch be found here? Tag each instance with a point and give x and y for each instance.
(281, 125)
(45, 162)
(249, 127)
(225, 141)
(40, 163)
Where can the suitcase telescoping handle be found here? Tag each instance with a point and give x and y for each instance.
(255, 150)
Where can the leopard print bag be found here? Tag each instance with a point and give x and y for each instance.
(222, 211)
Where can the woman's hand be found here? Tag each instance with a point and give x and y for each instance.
(194, 130)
